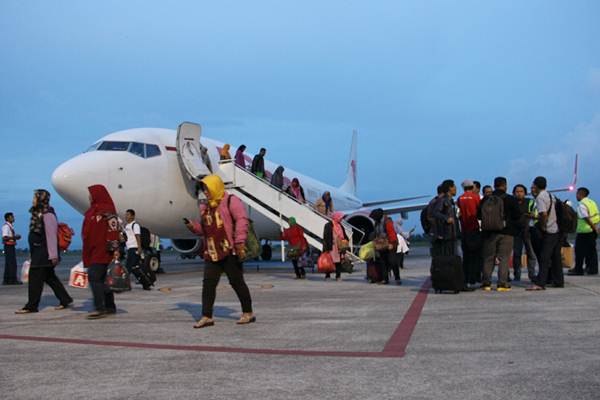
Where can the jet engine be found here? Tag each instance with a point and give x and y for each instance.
(187, 246)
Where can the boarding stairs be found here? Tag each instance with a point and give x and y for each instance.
(256, 192)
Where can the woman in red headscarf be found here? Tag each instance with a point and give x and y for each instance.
(335, 241)
(100, 247)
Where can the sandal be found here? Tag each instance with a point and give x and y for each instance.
(246, 319)
(204, 323)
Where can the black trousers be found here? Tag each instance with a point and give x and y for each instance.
(104, 298)
(550, 261)
(397, 265)
(133, 259)
(235, 273)
(586, 253)
(471, 245)
(37, 277)
(300, 272)
(385, 262)
(10, 263)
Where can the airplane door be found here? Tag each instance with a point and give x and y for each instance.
(193, 157)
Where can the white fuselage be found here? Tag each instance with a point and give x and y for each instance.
(156, 187)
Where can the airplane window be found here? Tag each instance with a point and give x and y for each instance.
(152, 150)
(113, 146)
(137, 149)
(92, 147)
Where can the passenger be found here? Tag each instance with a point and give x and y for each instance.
(100, 235)
(294, 235)
(9, 239)
(471, 242)
(444, 212)
(386, 243)
(336, 242)
(240, 159)
(296, 191)
(587, 235)
(224, 153)
(133, 232)
(403, 247)
(44, 254)
(258, 164)
(500, 217)
(224, 224)
(428, 222)
(477, 188)
(277, 178)
(523, 237)
(487, 191)
(549, 235)
(324, 204)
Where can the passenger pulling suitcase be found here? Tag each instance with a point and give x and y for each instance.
(447, 274)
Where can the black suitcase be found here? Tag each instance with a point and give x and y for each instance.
(144, 274)
(447, 274)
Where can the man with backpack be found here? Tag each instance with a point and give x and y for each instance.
(446, 225)
(133, 233)
(587, 235)
(500, 217)
(549, 236)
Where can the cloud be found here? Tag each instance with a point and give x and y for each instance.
(557, 164)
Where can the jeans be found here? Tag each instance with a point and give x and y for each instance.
(519, 242)
(496, 245)
(37, 278)
(10, 264)
(104, 298)
(133, 259)
(586, 253)
(550, 260)
(233, 268)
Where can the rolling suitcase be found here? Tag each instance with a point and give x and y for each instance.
(373, 272)
(144, 274)
(447, 274)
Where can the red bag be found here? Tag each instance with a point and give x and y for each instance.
(325, 264)
(65, 236)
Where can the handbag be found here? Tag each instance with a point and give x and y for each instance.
(381, 244)
(343, 244)
(325, 265)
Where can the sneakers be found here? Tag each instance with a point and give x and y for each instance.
(504, 289)
(486, 288)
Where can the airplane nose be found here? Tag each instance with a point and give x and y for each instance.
(72, 179)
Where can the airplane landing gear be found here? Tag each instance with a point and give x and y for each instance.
(267, 251)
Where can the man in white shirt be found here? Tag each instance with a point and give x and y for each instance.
(550, 237)
(133, 231)
(9, 239)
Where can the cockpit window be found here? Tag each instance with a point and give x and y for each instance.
(137, 149)
(114, 146)
(93, 147)
(152, 150)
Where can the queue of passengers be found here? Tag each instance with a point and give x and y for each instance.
(496, 227)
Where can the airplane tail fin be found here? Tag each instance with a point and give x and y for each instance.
(350, 185)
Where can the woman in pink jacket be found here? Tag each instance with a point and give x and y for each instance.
(224, 225)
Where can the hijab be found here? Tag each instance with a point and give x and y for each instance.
(225, 152)
(338, 230)
(42, 206)
(327, 200)
(296, 190)
(292, 221)
(101, 205)
(216, 188)
(277, 178)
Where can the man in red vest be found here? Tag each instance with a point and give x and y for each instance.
(9, 239)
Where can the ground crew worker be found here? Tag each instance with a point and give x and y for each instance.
(587, 234)
(9, 239)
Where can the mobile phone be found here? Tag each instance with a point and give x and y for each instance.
(186, 221)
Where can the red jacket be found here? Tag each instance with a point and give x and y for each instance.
(100, 231)
(391, 231)
(295, 237)
(468, 204)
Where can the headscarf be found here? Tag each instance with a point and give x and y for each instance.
(216, 188)
(295, 186)
(277, 178)
(338, 230)
(225, 152)
(42, 207)
(377, 215)
(292, 221)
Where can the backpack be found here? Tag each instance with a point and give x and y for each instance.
(566, 217)
(253, 247)
(145, 237)
(65, 236)
(425, 221)
(492, 214)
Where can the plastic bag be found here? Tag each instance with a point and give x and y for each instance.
(78, 277)
(367, 252)
(325, 264)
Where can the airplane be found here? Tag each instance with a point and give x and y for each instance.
(142, 169)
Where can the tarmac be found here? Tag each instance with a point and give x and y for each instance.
(314, 339)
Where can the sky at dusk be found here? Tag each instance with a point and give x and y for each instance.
(436, 89)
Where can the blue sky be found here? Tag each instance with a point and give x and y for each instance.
(436, 89)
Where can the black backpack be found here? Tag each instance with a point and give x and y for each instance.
(492, 214)
(427, 219)
(566, 217)
(145, 237)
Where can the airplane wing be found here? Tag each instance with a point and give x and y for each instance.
(573, 184)
(384, 202)
(405, 209)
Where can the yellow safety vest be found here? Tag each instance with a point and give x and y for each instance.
(582, 225)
